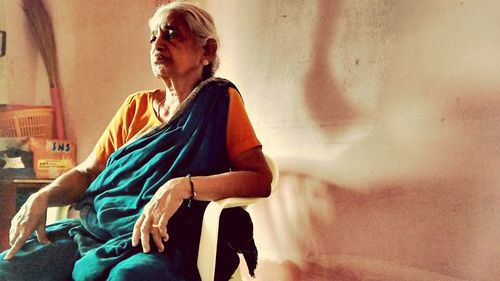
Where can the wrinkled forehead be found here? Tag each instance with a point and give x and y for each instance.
(164, 18)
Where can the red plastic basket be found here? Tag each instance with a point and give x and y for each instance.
(27, 122)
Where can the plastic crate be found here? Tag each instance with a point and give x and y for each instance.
(27, 122)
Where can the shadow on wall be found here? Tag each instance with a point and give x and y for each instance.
(322, 93)
(425, 229)
(425, 207)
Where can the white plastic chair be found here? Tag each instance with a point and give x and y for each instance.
(207, 251)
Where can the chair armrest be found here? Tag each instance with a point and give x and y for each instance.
(234, 202)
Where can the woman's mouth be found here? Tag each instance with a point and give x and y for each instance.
(160, 59)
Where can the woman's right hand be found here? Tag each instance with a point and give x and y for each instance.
(32, 216)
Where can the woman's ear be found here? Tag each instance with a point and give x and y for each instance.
(209, 49)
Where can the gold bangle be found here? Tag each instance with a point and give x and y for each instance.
(193, 193)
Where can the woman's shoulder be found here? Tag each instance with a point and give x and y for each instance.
(231, 89)
(222, 86)
(140, 97)
(222, 82)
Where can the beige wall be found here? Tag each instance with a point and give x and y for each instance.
(383, 116)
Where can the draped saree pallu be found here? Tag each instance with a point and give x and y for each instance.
(193, 142)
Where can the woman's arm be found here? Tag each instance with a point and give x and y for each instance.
(251, 177)
(66, 189)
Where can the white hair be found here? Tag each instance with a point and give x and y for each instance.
(200, 23)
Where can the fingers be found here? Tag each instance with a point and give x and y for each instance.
(152, 224)
(155, 233)
(159, 232)
(144, 230)
(20, 232)
(14, 229)
(162, 227)
(41, 235)
(137, 231)
(13, 233)
(15, 246)
(31, 217)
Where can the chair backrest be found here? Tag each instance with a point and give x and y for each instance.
(274, 170)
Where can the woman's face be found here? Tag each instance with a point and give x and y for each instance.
(175, 53)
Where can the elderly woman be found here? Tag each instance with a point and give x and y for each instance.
(143, 189)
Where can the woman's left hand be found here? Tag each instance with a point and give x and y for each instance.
(157, 212)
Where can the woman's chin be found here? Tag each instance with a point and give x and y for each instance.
(160, 74)
(159, 71)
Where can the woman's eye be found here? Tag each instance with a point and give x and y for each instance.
(168, 35)
(171, 34)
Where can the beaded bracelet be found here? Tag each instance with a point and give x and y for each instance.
(193, 193)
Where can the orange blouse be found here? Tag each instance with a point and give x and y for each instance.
(136, 116)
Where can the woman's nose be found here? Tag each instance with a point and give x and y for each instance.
(158, 44)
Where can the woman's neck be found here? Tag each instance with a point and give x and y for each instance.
(180, 90)
(174, 94)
